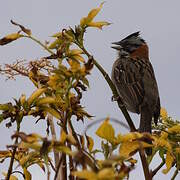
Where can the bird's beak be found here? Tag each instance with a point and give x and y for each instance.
(117, 43)
(118, 47)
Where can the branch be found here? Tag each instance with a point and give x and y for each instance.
(58, 167)
(175, 174)
(12, 160)
(71, 165)
(153, 173)
(56, 154)
(113, 89)
(145, 165)
(40, 43)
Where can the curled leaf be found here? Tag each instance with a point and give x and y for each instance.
(98, 24)
(9, 38)
(25, 30)
(35, 95)
(169, 162)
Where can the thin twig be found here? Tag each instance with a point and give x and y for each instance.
(12, 160)
(58, 168)
(157, 169)
(19, 173)
(175, 174)
(113, 89)
(145, 165)
(40, 43)
(52, 166)
(71, 165)
(53, 132)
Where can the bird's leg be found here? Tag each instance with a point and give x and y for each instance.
(118, 99)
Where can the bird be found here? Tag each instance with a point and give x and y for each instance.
(135, 81)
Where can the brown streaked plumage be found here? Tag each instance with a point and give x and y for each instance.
(134, 78)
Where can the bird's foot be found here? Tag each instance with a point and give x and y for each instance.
(114, 98)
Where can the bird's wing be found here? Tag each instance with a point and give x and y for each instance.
(129, 75)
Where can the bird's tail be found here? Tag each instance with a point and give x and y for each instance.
(145, 125)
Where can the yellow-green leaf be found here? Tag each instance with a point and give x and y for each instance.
(85, 174)
(41, 165)
(162, 141)
(9, 38)
(91, 15)
(12, 177)
(53, 112)
(57, 35)
(169, 162)
(175, 129)
(63, 149)
(128, 137)
(90, 143)
(163, 113)
(55, 44)
(23, 99)
(4, 154)
(63, 136)
(71, 139)
(75, 65)
(78, 58)
(36, 146)
(98, 24)
(129, 148)
(106, 173)
(106, 131)
(27, 174)
(46, 100)
(75, 52)
(35, 95)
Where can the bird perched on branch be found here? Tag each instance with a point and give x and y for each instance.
(134, 79)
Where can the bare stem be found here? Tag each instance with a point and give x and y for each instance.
(145, 165)
(58, 168)
(12, 160)
(71, 165)
(53, 132)
(175, 174)
(40, 43)
(153, 173)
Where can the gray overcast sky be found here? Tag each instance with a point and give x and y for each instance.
(158, 21)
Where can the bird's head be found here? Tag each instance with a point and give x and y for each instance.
(133, 46)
